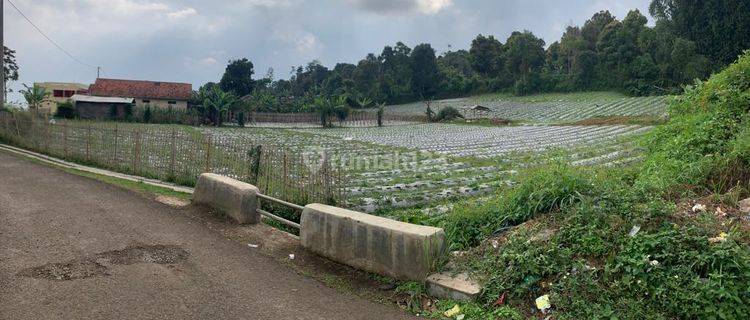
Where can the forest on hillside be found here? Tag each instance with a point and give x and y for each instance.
(688, 40)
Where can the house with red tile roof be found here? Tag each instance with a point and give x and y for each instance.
(166, 95)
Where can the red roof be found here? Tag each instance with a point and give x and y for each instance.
(141, 89)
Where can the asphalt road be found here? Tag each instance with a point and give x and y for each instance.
(76, 248)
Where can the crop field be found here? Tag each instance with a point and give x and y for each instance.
(558, 108)
(419, 165)
(376, 168)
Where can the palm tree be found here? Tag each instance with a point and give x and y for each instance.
(325, 109)
(34, 96)
(220, 101)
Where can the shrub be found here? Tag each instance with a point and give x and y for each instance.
(241, 119)
(698, 139)
(540, 190)
(147, 114)
(66, 110)
(448, 113)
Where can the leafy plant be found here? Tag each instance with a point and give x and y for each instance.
(34, 96)
(66, 110)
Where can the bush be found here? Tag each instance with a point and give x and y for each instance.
(241, 119)
(66, 110)
(540, 190)
(700, 137)
(528, 84)
(448, 113)
(147, 114)
(617, 246)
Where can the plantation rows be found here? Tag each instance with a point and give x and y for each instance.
(544, 112)
(410, 165)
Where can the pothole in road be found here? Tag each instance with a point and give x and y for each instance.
(66, 271)
(158, 254)
(96, 265)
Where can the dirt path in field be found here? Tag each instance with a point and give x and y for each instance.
(75, 248)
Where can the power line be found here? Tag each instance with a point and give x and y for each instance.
(48, 38)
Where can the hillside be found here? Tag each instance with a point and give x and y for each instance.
(665, 239)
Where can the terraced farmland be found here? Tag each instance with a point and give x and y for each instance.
(550, 110)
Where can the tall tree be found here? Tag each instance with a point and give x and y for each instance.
(524, 53)
(719, 28)
(238, 77)
(426, 75)
(594, 27)
(487, 56)
(10, 67)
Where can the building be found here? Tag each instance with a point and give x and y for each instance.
(59, 92)
(166, 95)
(92, 107)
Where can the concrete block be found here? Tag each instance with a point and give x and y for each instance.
(235, 198)
(388, 247)
(456, 287)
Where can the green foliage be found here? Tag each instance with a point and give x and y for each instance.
(66, 110)
(241, 119)
(238, 77)
(719, 28)
(326, 109)
(539, 191)
(706, 121)
(612, 244)
(219, 102)
(34, 96)
(381, 111)
(147, 114)
(688, 40)
(448, 113)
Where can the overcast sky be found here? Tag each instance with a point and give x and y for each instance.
(192, 40)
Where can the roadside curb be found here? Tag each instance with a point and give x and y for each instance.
(75, 166)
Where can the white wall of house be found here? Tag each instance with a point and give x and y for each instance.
(161, 103)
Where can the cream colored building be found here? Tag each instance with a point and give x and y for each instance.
(59, 92)
(157, 94)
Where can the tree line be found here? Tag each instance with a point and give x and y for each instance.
(690, 39)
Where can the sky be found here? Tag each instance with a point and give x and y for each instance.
(192, 40)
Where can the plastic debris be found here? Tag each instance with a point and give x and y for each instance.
(460, 317)
(452, 312)
(501, 300)
(720, 212)
(634, 231)
(542, 303)
(291, 256)
(252, 245)
(720, 238)
(699, 207)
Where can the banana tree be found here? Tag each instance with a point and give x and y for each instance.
(221, 102)
(34, 96)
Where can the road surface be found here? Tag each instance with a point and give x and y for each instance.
(76, 248)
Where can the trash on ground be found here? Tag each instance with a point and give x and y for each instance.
(720, 238)
(452, 312)
(699, 207)
(542, 303)
(252, 245)
(634, 231)
(291, 256)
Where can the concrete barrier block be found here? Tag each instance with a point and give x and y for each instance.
(397, 249)
(235, 198)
